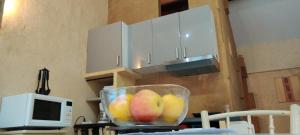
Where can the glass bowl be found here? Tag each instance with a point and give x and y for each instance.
(146, 105)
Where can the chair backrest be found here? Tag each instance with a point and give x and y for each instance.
(294, 114)
(295, 119)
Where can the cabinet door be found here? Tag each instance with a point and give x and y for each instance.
(166, 38)
(198, 34)
(140, 42)
(104, 47)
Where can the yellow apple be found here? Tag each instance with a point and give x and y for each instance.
(119, 108)
(146, 106)
(173, 107)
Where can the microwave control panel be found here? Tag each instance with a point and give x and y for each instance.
(68, 112)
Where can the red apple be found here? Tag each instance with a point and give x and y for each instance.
(146, 106)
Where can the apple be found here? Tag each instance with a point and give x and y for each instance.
(146, 106)
(173, 107)
(119, 107)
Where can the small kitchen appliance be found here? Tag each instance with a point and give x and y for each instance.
(35, 111)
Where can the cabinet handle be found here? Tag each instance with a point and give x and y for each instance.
(118, 61)
(184, 52)
(177, 53)
(149, 58)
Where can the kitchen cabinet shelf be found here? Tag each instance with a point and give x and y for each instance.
(117, 77)
(110, 73)
(97, 99)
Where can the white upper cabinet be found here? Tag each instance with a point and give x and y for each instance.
(166, 38)
(190, 33)
(198, 33)
(107, 47)
(140, 44)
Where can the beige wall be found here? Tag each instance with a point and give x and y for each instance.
(52, 34)
(273, 55)
(271, 40)
(196, 3)
(262, 85)
(132, 11)
(270, 46)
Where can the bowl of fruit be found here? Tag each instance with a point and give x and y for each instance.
(146, 105)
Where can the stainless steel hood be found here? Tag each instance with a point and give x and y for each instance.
(186, 66)
(193, 66)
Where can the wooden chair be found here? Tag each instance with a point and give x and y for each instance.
(293, 113)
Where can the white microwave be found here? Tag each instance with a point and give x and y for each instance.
(32, 111)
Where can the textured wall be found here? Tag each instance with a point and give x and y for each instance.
(132, 11)
(267, 37)
(196, 3)
(270, 56)
(267, 34)
(52, 34)
(263, 87)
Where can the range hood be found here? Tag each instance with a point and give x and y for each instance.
(193, 66)
(186, 66)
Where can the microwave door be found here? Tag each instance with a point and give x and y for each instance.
(46, 110)
(46, 113)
